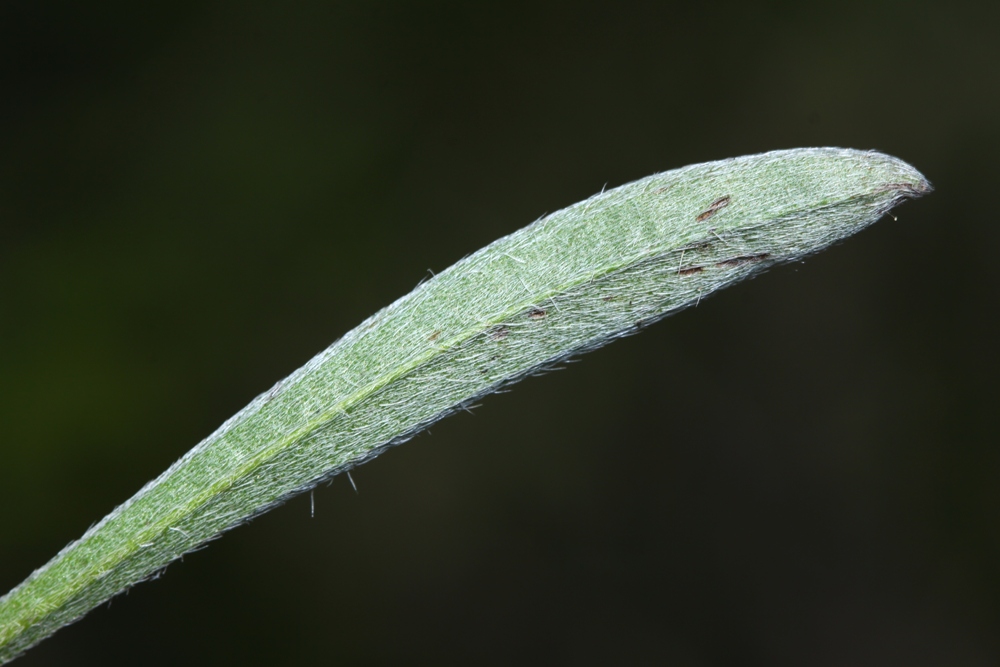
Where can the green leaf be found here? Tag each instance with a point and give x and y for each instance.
(568, 283)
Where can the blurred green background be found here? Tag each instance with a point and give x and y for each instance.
(196, 197)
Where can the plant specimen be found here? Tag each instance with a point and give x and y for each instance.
(568, 283)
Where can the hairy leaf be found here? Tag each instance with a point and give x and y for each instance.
(568, 283)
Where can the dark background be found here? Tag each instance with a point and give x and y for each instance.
(196, 197)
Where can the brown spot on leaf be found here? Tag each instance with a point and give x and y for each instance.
(907, 189)
(536, 314)
(745, 259)
(690, 271)
(698, 245)
(499, 333)
(434, 336)
(720, 203)
(611, 297)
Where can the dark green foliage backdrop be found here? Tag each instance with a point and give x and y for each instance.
(197, 197)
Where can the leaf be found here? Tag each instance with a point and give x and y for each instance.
(566, 284)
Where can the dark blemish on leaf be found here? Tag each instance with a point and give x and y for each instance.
(536, 314)
(718, 204)
(698, 245)
(273, 391)
(661, 190)
(745, 259)
(434, 336)
(373, 320)
(499, 333)
(691, 270)
(907, 189)
(609, 298)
